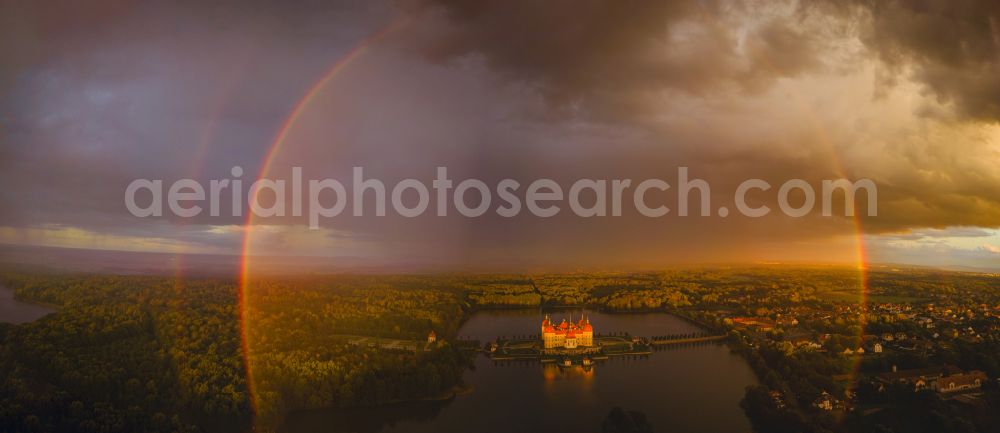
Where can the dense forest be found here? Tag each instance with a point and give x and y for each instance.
(123, 354)
(298, 332)
(136, 353)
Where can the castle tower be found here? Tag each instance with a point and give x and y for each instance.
(548, 333)
(586, 337)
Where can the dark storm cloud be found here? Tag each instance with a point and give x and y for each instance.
(620, 54)
(951, 46)
(625, 62)
(778, 50)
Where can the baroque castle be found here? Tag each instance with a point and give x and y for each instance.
(567, 334)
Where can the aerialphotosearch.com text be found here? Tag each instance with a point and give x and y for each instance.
(543, 198)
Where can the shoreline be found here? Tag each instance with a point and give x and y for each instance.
(53, 307)
(18, 311)
(15, 296)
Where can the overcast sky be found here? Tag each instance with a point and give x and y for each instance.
(96, 94)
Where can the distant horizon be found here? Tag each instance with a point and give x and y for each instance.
(270, 266)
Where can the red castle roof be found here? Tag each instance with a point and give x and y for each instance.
(569, 328)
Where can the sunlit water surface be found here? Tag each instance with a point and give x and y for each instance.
(693, 388)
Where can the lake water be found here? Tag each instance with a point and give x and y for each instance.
(693, 388)
(17, 312)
